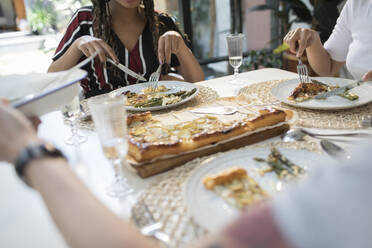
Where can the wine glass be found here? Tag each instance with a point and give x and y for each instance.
(235, 49)
(70, 111)
(110, 120)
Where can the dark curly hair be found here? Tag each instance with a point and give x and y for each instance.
(102, 25)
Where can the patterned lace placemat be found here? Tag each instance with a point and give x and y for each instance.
(165, 197)
(335, 119)
(206, 95)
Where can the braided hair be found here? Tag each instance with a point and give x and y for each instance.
(102, 23)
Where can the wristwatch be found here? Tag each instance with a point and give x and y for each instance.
(32, 152)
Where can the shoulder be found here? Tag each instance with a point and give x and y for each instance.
(83, 14)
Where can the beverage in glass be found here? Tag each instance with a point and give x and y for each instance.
(110, 120)
(235, 50)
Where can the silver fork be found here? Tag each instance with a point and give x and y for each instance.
(303, 72)
(147, 224)
(154, 78)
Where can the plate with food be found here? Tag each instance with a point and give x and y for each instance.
(217, 191)
(141, 97)
(303, 95)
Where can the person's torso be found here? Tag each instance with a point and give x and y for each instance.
(359, 58)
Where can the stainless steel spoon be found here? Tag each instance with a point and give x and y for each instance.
(334, 150)
(299, 134)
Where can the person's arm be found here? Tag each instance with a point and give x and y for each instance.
(83, 220)
(302, 39)
(189, 68)
(327, 59)
(85, 45)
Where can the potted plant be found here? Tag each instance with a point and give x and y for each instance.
(322, 18)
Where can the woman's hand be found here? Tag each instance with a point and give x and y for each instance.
(88, 45)
(16, 133)
(367, 76)
(300, 39)
(170, 42)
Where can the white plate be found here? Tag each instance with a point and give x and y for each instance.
(42, 92)
(210, 210)
(173, 86)
(283, 90)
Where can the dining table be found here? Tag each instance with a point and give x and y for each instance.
(24, 218)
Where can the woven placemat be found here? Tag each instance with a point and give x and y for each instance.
(206, 95)
(335, 119)
(165, 200)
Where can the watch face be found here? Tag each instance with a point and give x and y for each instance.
(50, 147)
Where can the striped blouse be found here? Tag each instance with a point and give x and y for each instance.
(142, 59)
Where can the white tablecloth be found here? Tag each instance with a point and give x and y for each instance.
(24, 220)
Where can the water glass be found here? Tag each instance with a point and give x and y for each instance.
(70, 111)
(110, 120)
(235, 50)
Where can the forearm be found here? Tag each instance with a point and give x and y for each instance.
(83, 220)
(67, 60)
(189, 66)
(320, 60)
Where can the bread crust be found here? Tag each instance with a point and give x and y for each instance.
(142, 150)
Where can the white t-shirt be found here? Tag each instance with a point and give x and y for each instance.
(333, 207)
(351, 39)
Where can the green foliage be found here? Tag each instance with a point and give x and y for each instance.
(264, 58)
(42, 16)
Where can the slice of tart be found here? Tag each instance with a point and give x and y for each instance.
(235, 187)
(306, 91)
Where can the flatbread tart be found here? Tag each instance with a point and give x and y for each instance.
(235, 187)
(153, 137)
(306, 91)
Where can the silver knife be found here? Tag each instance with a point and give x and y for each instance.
(339, 90)
(127, 70)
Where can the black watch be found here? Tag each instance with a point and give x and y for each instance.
(34, 152)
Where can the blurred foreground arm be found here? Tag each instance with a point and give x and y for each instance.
(83, 220)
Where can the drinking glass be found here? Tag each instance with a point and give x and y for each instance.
(71, 111)
(235, 50)
(110, 120)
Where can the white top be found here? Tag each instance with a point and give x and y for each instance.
(332, 208)
(351, 39)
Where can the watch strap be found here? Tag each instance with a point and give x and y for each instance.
(32, 152)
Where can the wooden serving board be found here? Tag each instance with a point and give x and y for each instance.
(152, 168)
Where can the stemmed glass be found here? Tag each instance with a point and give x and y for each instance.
(235, 49)
(71, 111)
(110, 120)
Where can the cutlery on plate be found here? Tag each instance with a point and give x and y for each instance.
(226, 110)
(147, 224)
(300, 133)
(339, 90)
(127, 70)
(334, 150)
(154, 78)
